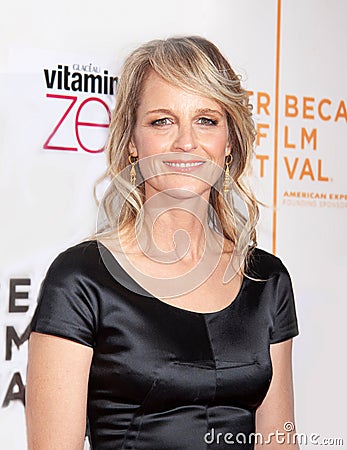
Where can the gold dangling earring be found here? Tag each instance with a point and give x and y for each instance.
(132, 170)
(227, 172)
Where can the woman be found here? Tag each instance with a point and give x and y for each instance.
(168, 328)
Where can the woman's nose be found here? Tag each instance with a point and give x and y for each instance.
(185, 139)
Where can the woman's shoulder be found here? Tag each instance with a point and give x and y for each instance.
(67, 302)
(81, 257)
(264, 264)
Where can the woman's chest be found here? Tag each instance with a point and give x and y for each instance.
(208, 286)
(148, 348)
(211, 296)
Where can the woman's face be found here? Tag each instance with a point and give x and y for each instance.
(184, 134)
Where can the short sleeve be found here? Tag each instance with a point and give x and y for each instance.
(285, 325)
(67, 306)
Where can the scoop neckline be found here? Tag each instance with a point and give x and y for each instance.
(168, 305)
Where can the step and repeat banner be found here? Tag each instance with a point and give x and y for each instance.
(58, 79)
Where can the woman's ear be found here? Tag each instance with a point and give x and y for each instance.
(228, 146)
(227, 149)
(132, 148)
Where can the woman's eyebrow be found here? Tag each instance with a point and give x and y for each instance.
(160, 110)
(198, 111)
(209, 111)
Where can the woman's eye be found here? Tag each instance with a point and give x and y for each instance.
(161, 122)
(206, 121)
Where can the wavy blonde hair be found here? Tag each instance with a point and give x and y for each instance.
(194, 64)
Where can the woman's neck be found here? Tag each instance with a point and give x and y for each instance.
(176, 227)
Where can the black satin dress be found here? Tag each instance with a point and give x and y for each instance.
(162, 377)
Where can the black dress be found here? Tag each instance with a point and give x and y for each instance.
(163, 377)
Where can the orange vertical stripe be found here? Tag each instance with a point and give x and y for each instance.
(277, 88)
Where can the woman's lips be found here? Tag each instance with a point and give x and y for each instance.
(183, 166)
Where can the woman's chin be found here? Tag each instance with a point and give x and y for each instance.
(180, 190)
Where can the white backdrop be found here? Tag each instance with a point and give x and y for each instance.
(292, 56)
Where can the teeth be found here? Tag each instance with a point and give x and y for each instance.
(174, 164)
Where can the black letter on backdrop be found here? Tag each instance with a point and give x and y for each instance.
(14, 282)
(15, 384)
(11, 335)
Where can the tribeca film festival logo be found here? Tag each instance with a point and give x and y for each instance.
(299, 145)
(286, 437)
(81, 95)
(303, 120)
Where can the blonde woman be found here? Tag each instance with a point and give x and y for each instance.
(168, 328)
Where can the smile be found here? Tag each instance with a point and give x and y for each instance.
(183, 164)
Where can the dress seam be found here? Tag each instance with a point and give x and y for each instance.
(213, 355)
(215, 377)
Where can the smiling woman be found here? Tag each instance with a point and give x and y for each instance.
(179, 94)
(187, 129)
(168, 325)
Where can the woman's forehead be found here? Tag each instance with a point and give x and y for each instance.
(157, 92)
